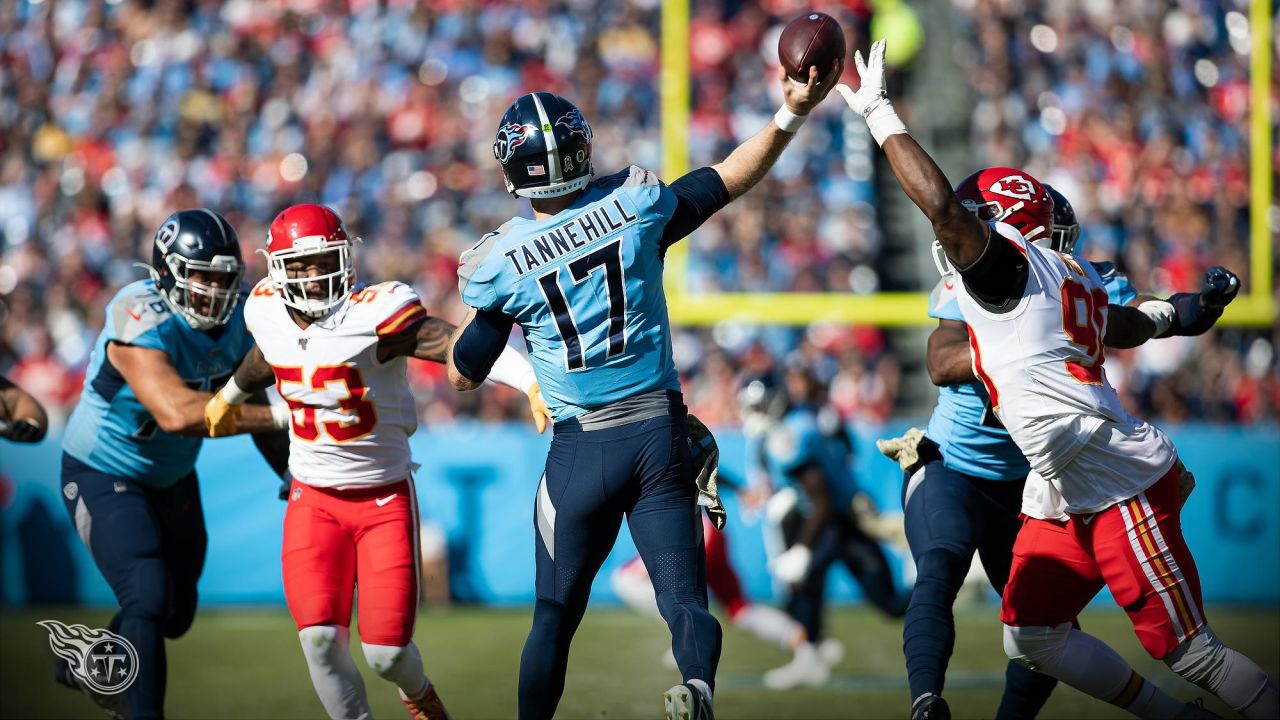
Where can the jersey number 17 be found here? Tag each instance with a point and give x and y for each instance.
(609, 258)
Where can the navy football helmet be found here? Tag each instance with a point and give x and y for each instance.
(544, 146)
(1066, 229)
(196, 263)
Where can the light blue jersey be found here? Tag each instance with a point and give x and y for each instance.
(586, 288)
(110, 430)
(972, 442)
(797, 441)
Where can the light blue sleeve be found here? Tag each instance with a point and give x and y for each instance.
(476, 277)
(138, 316)
(1119, 290)
(942, 301)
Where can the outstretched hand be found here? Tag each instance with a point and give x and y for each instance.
(802, 98)
(871, 90)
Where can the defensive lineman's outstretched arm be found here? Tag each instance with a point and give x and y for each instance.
(751, 161)
(962, 235)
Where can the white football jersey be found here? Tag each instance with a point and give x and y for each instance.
(1042, 364)
(352, 415)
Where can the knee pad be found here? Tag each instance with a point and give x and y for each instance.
(1201, 660)
(321, 642)
(1035, 647)
(383, 659)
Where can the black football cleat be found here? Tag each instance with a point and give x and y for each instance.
(686, 702)
(930, 707)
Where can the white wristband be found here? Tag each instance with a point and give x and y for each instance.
(788, 121)
(281, 415)
(513, 370)
(232, 393)
(883, 121)
(1161, 313)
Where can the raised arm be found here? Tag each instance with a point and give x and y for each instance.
(962, 235)
(1145, 317)
(948, 358)
(750, 161)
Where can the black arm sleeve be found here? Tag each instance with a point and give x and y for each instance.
(998, 278)
(1190, 316)
(481, 343)
(699, 195)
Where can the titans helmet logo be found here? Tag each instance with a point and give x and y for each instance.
(575, 124)
(167, 234)
(510, 137)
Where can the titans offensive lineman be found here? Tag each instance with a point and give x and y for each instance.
(583, 279)
(129, 452)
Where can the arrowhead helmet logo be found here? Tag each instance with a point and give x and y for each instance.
(106, 662)
(1014, 186)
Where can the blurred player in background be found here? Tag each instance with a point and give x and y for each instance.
(337, 353)
(583, 279)
(22, 418)
(964, 477)
(808, 455)
(129, 450)
(1103, 498)
(632, 583)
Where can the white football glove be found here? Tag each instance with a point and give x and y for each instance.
(792, 564)
(870, 100)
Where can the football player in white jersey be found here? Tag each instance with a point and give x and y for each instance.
(1038, 321)
(337, 353)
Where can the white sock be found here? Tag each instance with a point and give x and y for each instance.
(334, 675)
(1089, 665)
(1234, 678)
(702, 686)
(400, 665)
(770, 625)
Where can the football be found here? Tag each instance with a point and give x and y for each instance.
(812, 39)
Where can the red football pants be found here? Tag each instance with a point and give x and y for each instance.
(338, 540)
(1134, 547)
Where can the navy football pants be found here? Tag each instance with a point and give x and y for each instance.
(948, 517)
(150, 545)
(593, 478)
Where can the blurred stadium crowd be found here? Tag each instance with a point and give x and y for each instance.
(114, 114)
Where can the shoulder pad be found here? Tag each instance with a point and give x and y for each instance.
(137, 309)
(475, 283)
(633, 176)
(942, 300)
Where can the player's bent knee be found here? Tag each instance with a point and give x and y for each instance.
(149, 592)
(1200, 659)
(941, 565)
(383, 659)
(1035, 646)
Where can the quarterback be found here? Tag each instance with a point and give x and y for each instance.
(583, 279)
(337, 353)
(1103, 496)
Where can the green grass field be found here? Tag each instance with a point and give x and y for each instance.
(246, 664)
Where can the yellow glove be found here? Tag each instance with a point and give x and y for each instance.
(221, 416)
(905, 449)
(1186, 483)
(706, 461)
(537, 407)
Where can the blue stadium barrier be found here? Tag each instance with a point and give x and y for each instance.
(478, 482)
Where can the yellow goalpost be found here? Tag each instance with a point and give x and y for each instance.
(1256, 308)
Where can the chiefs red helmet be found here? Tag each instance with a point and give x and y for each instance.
(313, 234)
(1010, 196)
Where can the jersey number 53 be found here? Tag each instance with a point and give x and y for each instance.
(352, 401)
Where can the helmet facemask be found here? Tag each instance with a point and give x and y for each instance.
(298, 289)
(204, 293)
